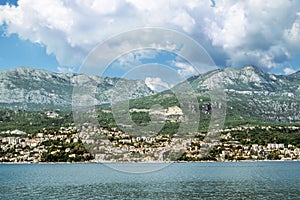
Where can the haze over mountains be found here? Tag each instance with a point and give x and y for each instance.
(250, 92)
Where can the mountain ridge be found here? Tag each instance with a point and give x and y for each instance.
(250, 92)
(32, 89)
(252, 96)
(248, 78)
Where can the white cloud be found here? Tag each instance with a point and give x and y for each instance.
(70, 29)
(185, 70)
(265, 33)
(156, 84)
(133, 59)
(289, 70)
(255, 32)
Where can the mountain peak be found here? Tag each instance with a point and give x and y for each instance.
(248, 78)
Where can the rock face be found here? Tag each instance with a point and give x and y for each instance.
(251, 93)
(249, 79)
(33, 89)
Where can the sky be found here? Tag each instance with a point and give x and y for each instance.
(59, 35)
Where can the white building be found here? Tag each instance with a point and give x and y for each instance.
(275, 146)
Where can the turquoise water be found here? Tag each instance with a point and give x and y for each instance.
(244, 180)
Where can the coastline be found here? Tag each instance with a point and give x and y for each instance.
(161, 162)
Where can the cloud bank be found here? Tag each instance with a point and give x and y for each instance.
(235, 33)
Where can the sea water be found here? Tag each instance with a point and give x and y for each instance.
(211, 180)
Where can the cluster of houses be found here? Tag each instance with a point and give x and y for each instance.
(112, 145)
(30, 148)
(234, 151)
(116, 146)
(21, 149)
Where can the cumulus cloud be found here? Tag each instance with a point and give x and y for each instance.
(256, 32)
(289, 70)
(156, 84)
(264, 33)
(70, 29)
(184, 69)
(129, 60)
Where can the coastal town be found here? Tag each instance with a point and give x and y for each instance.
(61, 145)
(97, 144)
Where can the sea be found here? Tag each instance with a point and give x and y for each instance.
(199, 180)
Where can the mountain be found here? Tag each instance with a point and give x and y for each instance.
(250, 80)
(34, 89)
(252, 96)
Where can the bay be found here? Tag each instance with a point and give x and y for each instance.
(211, 180)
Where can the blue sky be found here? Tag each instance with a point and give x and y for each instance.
(15, 52)
(58, 35)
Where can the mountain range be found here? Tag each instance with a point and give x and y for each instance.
(34, 89)
(251, 93)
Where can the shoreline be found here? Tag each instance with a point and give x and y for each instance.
(162, 162)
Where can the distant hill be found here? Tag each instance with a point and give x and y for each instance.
(34, 89)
